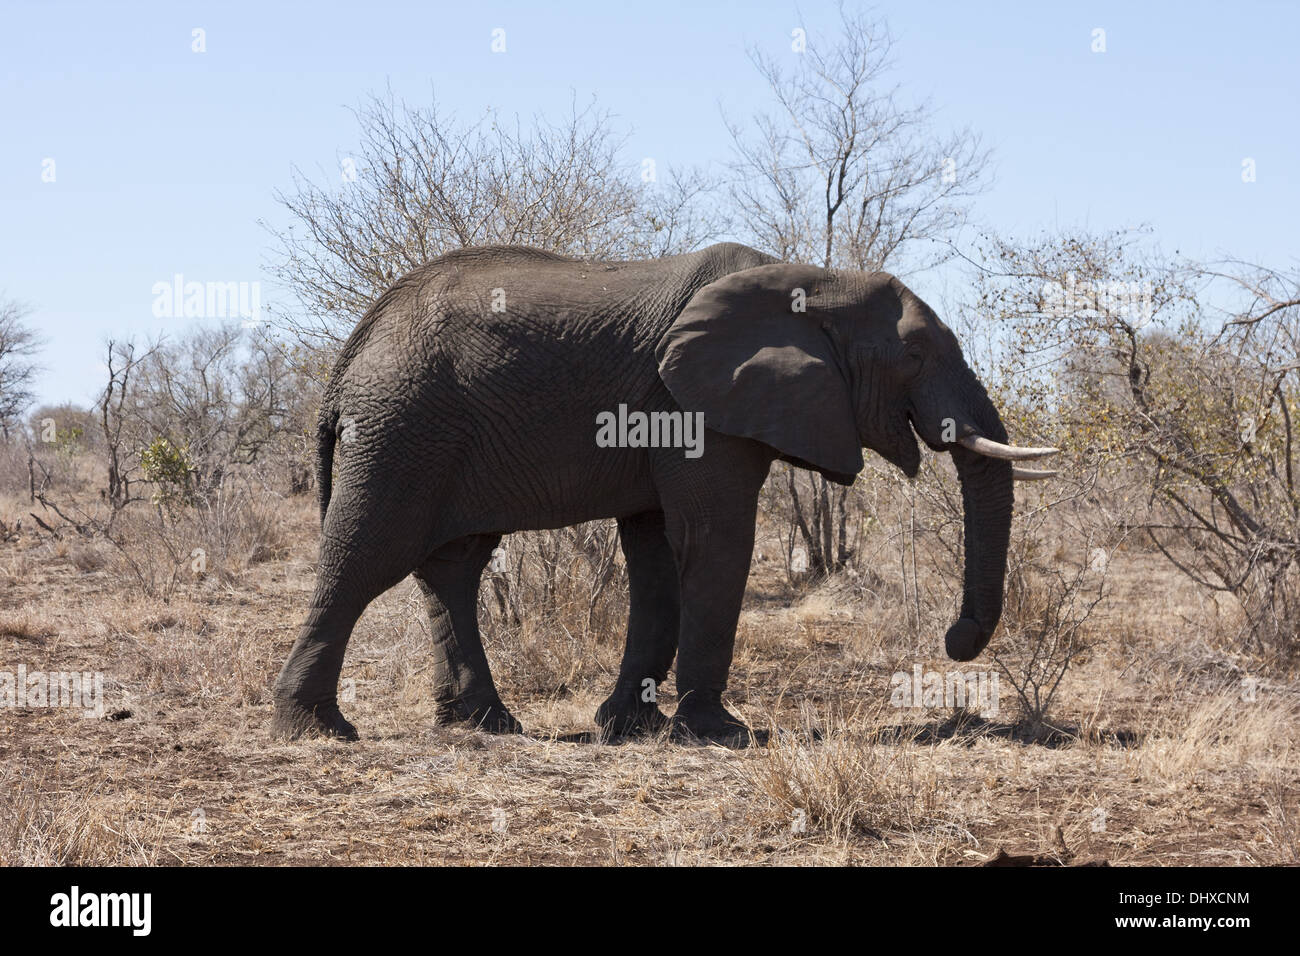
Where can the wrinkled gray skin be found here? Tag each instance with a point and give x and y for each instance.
(450, 424)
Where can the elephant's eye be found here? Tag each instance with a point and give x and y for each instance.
(912, 359)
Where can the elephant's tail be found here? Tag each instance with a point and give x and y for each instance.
(325, 437)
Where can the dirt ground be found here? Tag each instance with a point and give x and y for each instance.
(1167, 752)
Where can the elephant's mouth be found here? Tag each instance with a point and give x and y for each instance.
(903, 451)
(932, 443)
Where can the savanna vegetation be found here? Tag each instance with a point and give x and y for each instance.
(1145, 669)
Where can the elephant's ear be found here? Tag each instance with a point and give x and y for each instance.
(757, 368)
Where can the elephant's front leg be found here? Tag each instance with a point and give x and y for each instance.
(651, 628)
(710, 525)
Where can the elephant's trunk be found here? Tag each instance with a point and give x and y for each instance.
(987, 498)
(986, 491)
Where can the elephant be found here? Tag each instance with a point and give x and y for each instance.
(468, 402)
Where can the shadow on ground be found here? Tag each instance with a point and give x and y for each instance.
(967, 728)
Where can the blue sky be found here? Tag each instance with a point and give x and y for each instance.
(166, 159)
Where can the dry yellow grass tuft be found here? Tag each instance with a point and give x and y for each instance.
(24, 626)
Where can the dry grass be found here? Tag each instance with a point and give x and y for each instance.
(1282, 829)
(42, 826)
(855, 781)
(23, 626)
(1172, 749)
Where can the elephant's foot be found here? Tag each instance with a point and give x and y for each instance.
(710, 723)
(625, 714)
(294, 719)
(491, 716)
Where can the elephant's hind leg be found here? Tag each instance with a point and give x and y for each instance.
(651, 628)
(356, 566)
(306, 692)
(464, 691)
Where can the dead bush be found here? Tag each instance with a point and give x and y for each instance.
(1045, 617)
(554, 606)
(159, 547)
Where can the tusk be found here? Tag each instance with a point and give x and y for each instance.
(995, 449)
(1029, 474)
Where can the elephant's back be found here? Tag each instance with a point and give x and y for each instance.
(500, 361)
(500, 285)
(516, 310)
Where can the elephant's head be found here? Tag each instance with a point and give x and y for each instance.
(819, 365)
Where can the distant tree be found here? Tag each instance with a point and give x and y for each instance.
(66, 425)
(219, 397)
(18, 343)
(422, 183)
(122, 360)
(841, 174)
